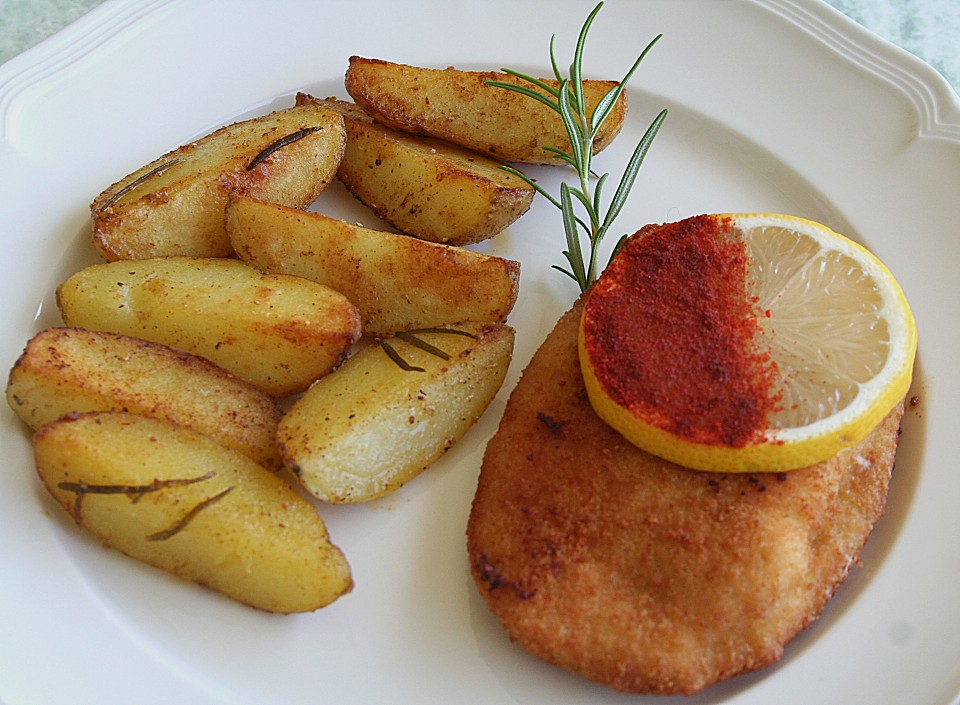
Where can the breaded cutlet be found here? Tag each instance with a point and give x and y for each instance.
(643, 575)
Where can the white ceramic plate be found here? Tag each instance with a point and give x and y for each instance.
(775, 105)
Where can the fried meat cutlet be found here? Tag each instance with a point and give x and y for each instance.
(641, 574)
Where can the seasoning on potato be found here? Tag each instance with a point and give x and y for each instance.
(459, 107)
(70, 370)
(396, 282)
(392, 410)
(427, 188)
(278, 332)
(174, 205)
(179, 501)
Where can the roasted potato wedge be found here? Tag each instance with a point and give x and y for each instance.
(177, 500)
(430, 189)
(278, 332)
(459, 107)
(71, 370)
(396, 282)
(363, 432)
(174, 205)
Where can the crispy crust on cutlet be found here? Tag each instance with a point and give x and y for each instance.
(645, 576)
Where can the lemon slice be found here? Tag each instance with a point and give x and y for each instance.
(745, 342)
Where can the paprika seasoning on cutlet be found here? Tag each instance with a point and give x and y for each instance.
(674, 337)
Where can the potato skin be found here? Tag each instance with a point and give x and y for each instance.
(396, 282)
(71, 370)
(278, 332)
(363, 432)
(458, 106)
(179, 209)
(427, 188)
(179, 501)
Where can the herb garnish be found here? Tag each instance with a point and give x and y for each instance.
(280, 144)
(156, 171)
(136, 492)
(181, 524)
(567, 99)
(409, 337)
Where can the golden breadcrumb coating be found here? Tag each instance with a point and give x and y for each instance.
(643, 575)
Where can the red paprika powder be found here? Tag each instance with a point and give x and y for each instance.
(674, 336)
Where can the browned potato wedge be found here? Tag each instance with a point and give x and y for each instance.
(363, 432)
(459, 107)
(71, 370)
(397, 282)
(278, 332)
(177, 500)
(424, 187)
(174, 205)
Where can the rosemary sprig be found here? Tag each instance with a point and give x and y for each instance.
(567, 99)
(134, 492)
(137, 492)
